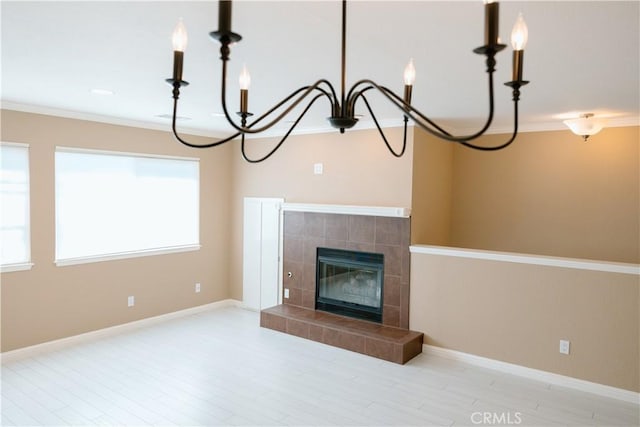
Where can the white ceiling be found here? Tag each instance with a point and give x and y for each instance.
(582, 56)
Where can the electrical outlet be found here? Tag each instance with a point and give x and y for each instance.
(131, 301)
(197, 287)
(286, 293)
(318, 168)
(564, 346)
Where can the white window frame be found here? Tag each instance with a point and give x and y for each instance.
(27, 264)
(135, 253)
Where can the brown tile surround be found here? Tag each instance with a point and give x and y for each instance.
(384, 342)
(304, 232)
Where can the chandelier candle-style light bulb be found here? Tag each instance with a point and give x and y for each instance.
(245, 78)
(491, 22)
(244, 81)
(179, 40)
(409, 79)
(179, 37)
(519, 37)
(519, 34)
(410, 73)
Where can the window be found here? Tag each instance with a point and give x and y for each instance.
(113, 205)
(15, 248)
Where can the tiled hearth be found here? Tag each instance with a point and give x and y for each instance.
(384, 342)
(351, 229)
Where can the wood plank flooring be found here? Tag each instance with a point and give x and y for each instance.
(220, 368)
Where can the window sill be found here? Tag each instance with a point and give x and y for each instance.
(126, 255)
(9, 268)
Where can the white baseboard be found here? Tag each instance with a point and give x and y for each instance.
(510, 368)
(24, 352)
(535, 374)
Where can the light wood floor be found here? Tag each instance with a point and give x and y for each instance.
(221, 368)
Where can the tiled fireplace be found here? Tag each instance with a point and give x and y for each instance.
(385, 236)
(305, 232)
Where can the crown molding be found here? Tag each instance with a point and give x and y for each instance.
(367, 124)
(548, 126)
(100, 118)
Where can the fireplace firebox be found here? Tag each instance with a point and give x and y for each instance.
(350, 283)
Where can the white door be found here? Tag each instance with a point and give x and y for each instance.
(261, 253)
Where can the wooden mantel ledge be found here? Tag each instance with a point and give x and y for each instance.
(387, 211)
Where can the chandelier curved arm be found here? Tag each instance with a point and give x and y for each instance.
(306, 90)
(322, 91)
(399, 102)
(265, 115)
(420, 119)
(190, 144)
(176, 95)
(442, 133)
(510, 140)
(380, 131)
(516, 97)
(270, 153)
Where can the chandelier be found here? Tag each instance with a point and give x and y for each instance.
(343, 107)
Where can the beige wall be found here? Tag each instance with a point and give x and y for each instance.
(518, 313)
(549, 194)
(358, 170)
(432, 189)
(50, 302)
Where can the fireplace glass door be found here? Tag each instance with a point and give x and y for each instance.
(350, 283)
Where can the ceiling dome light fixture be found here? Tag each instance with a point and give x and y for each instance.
(343, 106)
(586, 125)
